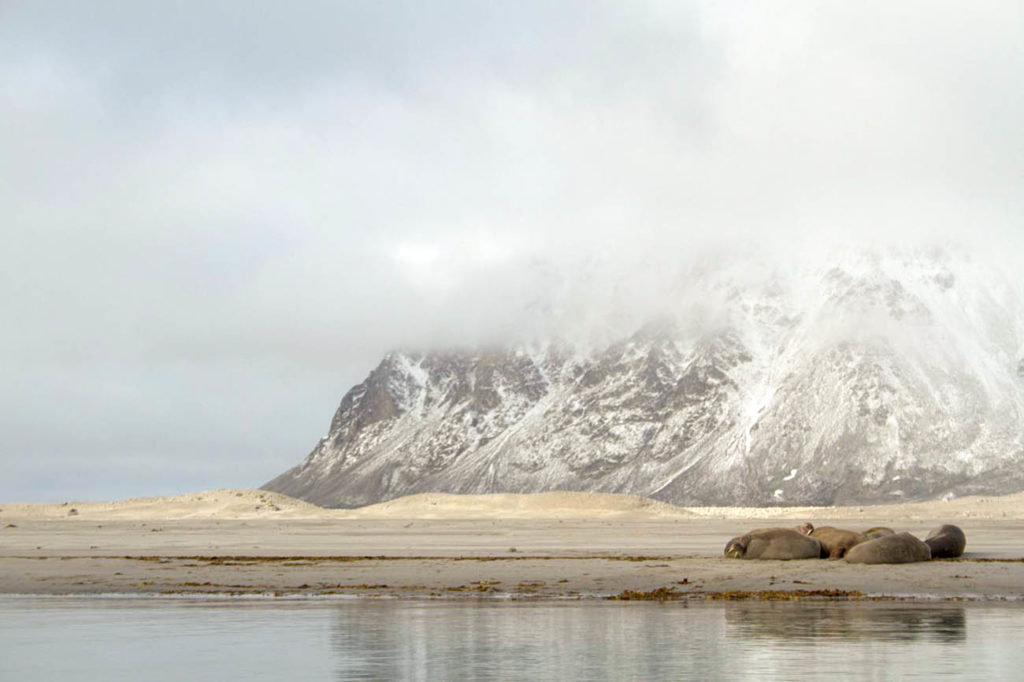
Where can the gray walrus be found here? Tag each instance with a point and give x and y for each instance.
(946, 542)
(878, 531)
(835, 542)
(899, 548)
(773, 543)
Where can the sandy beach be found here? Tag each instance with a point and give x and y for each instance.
(552, 545)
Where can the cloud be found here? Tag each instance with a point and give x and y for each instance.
(204, 204)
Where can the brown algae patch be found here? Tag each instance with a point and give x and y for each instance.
(784, 595)
(659, 594)
(482, 587)
(671, 594)
(982, 560)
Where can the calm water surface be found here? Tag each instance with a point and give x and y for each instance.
(71, 639)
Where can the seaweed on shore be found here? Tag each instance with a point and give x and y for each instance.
(784, 595)
(659, 594)
(662, 594)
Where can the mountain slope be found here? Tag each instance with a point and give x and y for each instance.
(870, 379)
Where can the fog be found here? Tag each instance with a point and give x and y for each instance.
(218, 219)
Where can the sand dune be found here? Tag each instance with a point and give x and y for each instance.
(973, 507)
(213, 504)
(559, 504)
(585, 505)
(256, 504)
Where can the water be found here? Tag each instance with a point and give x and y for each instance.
(72, 639)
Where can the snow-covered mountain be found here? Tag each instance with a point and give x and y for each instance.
(863, 377)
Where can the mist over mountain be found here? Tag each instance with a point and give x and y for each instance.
(841, 375)
(220, 217)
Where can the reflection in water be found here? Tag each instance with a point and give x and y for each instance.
(526, 641)
(205, 640)
(813, 622)
(613, 641)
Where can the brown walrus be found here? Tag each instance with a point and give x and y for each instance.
(773, 543)
(946, 542)
(878, 531)
(835, 542)
(899, 548)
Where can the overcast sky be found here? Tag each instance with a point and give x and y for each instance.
(217, 217)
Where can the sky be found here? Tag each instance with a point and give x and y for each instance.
(217, 217)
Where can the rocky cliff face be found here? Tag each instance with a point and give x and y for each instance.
(872, 378)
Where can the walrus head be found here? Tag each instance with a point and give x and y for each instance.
(736, 548)
(806, 528)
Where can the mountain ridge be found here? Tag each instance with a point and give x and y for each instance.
(872, 378)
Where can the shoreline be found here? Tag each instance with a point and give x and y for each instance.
(710, 598)
(474, 559)
(434, 548)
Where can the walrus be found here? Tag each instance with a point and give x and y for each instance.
(946, 542)
(899, 548)
(835, 542)
(806, 528)
(878, 531)
(773, 543)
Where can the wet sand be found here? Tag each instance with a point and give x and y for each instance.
(614, 547)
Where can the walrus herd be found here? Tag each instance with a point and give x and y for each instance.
(877, 545)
